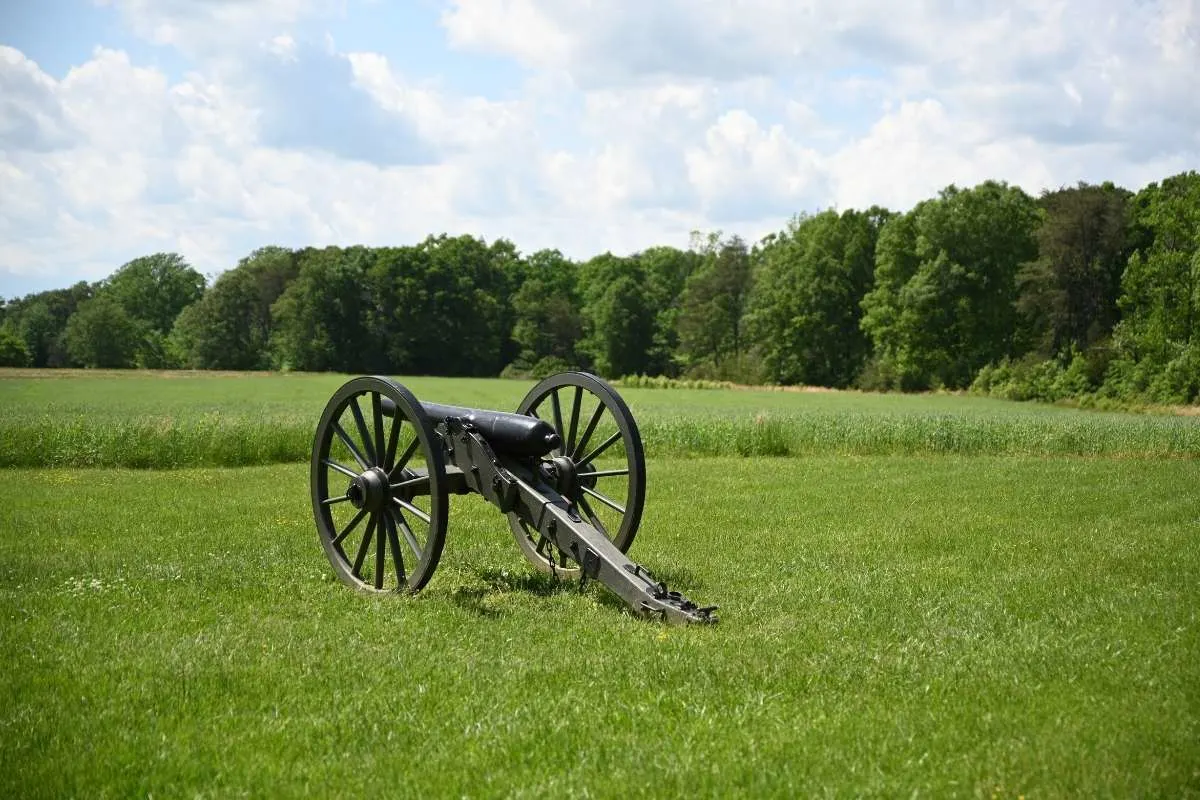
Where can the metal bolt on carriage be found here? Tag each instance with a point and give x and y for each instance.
(567, 469)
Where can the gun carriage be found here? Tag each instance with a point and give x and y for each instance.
(567, 469)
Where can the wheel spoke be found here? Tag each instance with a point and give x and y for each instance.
(346, 531)
(408, 453)
(610, 503)
(393, 440)
(593, 516)
(380, 551)
(349, 473)
(409, 536)
(570, 446)
(558, 426)
(609, 442)
(589, 430)
(362, 429)
(377, 412)
(346, 440)
(328, 501)
(410, 508)
(410, 482)
(604, 473)
(362, 548)
(394, 542)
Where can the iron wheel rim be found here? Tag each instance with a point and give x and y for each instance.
(578, 422)
(356, 448)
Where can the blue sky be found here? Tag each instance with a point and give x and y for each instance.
(212, 127)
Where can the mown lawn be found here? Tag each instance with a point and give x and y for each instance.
(890, 626)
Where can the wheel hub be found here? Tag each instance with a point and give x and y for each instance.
(369, 490)
(560, 473)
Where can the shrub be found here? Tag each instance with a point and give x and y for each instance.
(547, 366)
(878, 375)
(517, 370)
(1031, 379)
(663, 382)
(1075, 381)
(1179, 380)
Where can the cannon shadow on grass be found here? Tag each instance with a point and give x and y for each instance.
(538, 584)
(497, 581)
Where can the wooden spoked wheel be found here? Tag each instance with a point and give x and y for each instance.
(378, 487)
(602, 443)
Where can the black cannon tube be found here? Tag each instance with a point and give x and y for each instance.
(513, 434)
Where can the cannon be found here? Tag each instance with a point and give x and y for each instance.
(568, 471)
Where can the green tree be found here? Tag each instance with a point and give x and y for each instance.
(805, 311)
(101, 334)
(666, 271)
(1068, 295)
(439, 308)
(618, 324)
(548, 323)
(397, 285)
(321, 321)
(943, 305)
(1160, 300)
(508, 273)
(465, 316)
(711, 335)
(896, 263)
(42, 333)
(41, 320)
(230, 326)
(155, 288)
(621, 328)
(13, 352)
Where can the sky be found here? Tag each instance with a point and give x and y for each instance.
(213, 127)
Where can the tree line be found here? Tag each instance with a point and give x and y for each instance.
(1091, 291)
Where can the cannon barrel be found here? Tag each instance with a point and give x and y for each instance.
(513, 434)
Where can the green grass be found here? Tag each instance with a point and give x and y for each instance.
(891, 626)
(199, 419)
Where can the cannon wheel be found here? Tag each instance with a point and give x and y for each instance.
(378, 487)
(594, 423)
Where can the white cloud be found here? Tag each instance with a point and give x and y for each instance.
(31, 116)
(616, 41)
(919, 147)
(745, 172)
(454, 123)
(282, 47)
(209, 27)
(117, 106)
(994, 57)
(634, 124)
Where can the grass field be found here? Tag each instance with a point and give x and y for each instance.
(938, 622)
(195, 419)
